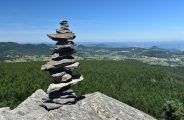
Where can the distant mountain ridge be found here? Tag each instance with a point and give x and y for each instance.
(154, 51)
(11, 50)
(15, 52)
(169, 45)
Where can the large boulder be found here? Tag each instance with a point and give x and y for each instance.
(95, 106)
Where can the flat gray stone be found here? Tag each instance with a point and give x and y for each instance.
(66, 78)
(62, 31)
(73, 66)
(64, 42)
(59, 56)
(68, 96)
(62, 79)
(55, 56)
(71, 95)
(50, 106)
(71, 46)
(58, 74)
(65, 28)
(64, 48)
(95, 106)
(62, 94)
(64, 101)
(64, 23)
(57, 64)
(60, 37)
(56, 87)
(60, 101)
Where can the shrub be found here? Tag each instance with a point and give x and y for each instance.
(173, 110)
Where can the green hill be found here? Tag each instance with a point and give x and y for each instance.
(11, 50)
(14, 52)
(142, 86)
(156, 52)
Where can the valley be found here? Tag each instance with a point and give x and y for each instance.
(14, 52)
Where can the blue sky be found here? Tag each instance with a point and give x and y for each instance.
(28, 21)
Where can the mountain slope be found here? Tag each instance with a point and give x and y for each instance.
(11, 50)
(139, 85)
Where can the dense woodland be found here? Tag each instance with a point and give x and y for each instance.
(142, 86)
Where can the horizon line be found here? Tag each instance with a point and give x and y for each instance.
(53, 42)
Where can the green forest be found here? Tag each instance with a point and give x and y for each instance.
(142, 86)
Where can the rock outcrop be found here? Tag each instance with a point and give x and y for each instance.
(95, 106)
(60, 68)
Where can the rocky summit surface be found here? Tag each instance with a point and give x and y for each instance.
(95, 106)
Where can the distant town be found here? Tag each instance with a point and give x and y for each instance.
(14, 52)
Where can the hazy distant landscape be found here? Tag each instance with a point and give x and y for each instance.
(169, 45)
(151, 54)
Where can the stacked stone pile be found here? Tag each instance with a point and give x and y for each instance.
(60, 68)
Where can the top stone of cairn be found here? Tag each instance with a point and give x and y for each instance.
(63, 33)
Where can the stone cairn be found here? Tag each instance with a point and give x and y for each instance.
(60, 68)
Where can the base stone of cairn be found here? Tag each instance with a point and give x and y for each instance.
(60, 68)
